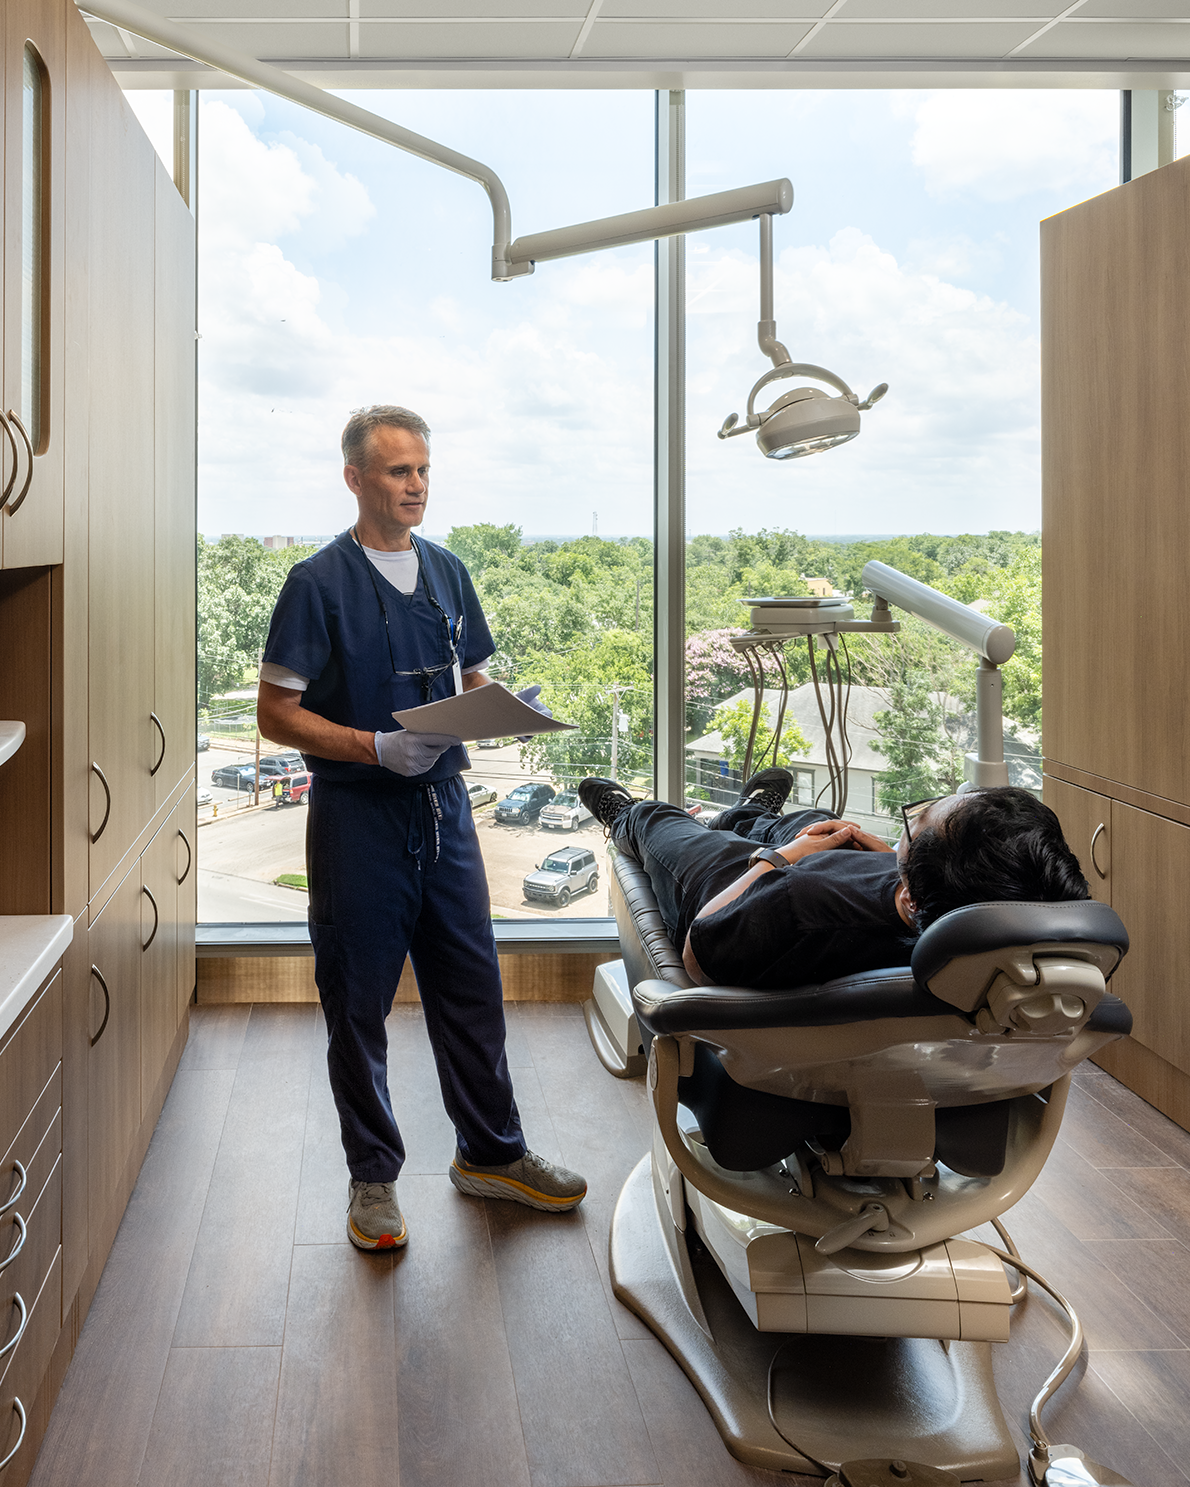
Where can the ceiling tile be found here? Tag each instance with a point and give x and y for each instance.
(232, 12)
(452, 10)
(1136, 10)
(922, 10)
(677, 41)
(695, 10)
(289, 39)
(475, 39)
(992, 39)
(1134, 41)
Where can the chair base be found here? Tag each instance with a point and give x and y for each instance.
(839, 1398)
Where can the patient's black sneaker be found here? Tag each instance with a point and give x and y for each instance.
(606, 800)
(769, 789)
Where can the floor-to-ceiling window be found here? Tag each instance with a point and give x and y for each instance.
(336, 271)
(910, 257)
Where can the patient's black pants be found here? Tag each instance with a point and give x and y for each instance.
(688, 863)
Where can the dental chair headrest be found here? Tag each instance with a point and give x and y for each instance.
(960, 955)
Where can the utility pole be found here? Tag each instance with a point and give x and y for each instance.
(614, 693)
(256, 772)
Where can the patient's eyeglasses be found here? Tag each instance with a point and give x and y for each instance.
(915, 809)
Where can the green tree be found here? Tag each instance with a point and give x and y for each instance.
(479, 545)
(1012, 595)
(577, 689)
(922, 759)
(733, 723)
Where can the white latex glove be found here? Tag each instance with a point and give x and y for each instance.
(529, 697)
(408, 753)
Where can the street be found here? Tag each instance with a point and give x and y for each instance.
(241, 851)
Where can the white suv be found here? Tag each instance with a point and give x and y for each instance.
(564, 873)
(565, 812)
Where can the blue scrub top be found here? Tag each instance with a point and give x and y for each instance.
(329, 624)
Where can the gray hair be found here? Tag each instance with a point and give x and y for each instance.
(357, 436)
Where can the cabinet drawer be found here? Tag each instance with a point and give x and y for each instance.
(27, 1272)
(23, 1377)
(33, 1048)
(28, 1139)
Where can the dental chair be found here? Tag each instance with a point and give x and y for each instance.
(792, 1237)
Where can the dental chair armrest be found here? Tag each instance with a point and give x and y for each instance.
(662, 1007)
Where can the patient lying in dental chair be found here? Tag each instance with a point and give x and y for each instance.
(767, 900)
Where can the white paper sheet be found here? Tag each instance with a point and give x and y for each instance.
(483, 712)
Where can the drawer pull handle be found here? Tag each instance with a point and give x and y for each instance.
(148, 892)
(161, 757)
(20, 1171)
(18, 1246)
(107, 810)
(189, 857)
(12, 1342)
(107, 1004)
(11, 481)
(19, 1408)
(1099, 830)
(15, 506)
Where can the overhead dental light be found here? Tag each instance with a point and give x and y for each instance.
(805, 420)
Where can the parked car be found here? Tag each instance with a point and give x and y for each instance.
(275, 764)
(203, 797)
(565, 812)
(234, 777)
(479, 795)
(564, 873)
(295, 788)
(204, 743)
(524, 804)
(488, 743)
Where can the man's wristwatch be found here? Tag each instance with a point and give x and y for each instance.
(770, 855)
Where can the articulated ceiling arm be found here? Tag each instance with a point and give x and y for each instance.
(187, 43)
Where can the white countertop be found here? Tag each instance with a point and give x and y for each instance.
(12, 736)
(29, 946)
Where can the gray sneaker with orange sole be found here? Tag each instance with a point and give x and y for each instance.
(530, 1180)
(373, 1216)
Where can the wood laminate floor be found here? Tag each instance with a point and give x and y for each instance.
(238, 1338)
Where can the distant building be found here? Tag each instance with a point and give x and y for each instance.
(275, 542)
(821, 588)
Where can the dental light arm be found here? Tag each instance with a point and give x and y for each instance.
(510, 259)
(804, 421)
(991, 641)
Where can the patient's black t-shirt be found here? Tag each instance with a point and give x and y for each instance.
(831, 914)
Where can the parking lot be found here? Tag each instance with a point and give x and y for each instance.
(243, 850)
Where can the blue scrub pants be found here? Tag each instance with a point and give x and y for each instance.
(397, 871)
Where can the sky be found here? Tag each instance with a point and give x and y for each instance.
(336, 271)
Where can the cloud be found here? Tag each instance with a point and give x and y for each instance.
(1004, 145)
(953, 446)
(533, 389)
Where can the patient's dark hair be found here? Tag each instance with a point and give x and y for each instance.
(995, 844)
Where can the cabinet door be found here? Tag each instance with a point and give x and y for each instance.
(124, 742)
(113, 1073)
(1151, 867)
(186, 866)
(1087, 826)
(159, 958)
(176, 521)
(79, 1022)
(34, 199)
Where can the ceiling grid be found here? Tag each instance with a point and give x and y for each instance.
(680, 43)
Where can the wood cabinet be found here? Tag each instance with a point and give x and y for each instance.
(1116, 528)
(1087, 826)
(97, 612)
(31, 373)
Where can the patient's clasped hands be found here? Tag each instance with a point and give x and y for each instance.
(825, 836)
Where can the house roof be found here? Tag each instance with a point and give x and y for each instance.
(676, 43)
(864, 704)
